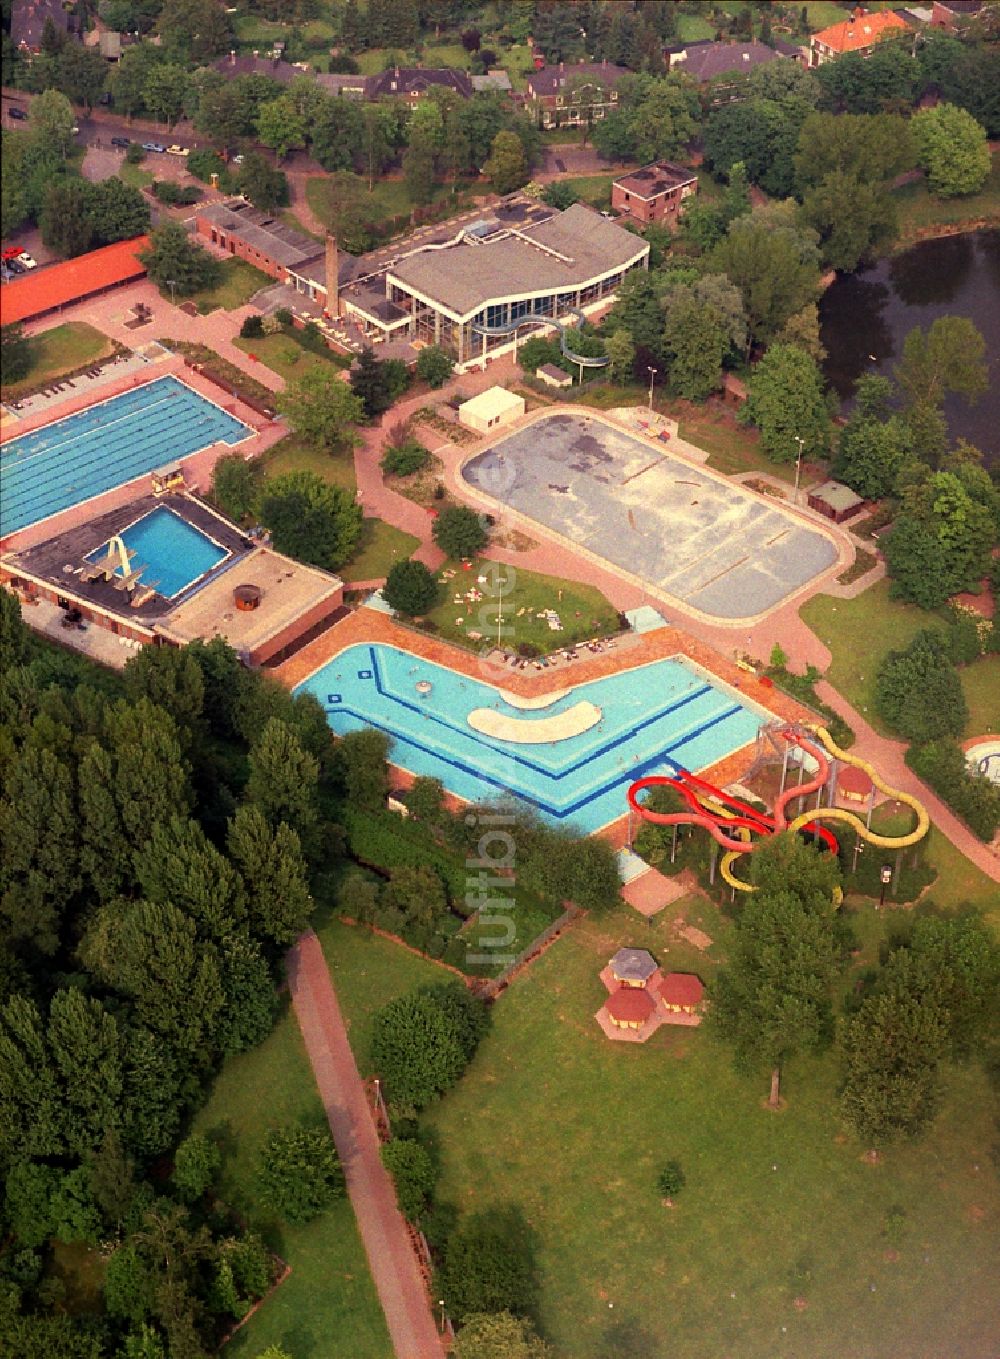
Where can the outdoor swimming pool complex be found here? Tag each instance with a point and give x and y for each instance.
(106, 446)
(656, 718)
(174, 553)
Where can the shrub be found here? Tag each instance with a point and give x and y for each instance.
(459, 532)
(404, 459)
(434, 366)
(422, 1042)
(134, 155)
(165, 190)
(671, 1180)
(252, 328)
(283, 316)
(410, 588)
(489, 1265)
(413, 1174)
(918, 692)
(203, 163)
(196, 1164)
(234, 485)
(974, 797)
(299, 1173)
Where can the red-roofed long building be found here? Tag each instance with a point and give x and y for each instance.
(858, 34)
(60, 285)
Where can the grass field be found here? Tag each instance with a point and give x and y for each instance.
(287, 356)
(592, 189)
(380, 543)
(238, 284)
(327, 1308)
(373, 971)
(59, 351)
(860, 631)
(731, 448)
(583, 610)
(922, 215)
(574, 1129)
(135, 176)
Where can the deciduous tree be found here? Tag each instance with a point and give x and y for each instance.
(175, 259)
(299, 1173)
(410, 587)
(322, 408)
(952, 148)
(918, 691)
(787, 402)
(274, 871)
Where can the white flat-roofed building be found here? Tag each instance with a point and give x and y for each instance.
(491, 409)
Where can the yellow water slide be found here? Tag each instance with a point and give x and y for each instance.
(842, 814)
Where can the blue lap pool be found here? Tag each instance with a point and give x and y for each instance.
(106, 446)
(656, 717)
(173, 552)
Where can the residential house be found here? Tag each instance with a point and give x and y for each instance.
(411, 83)
(272, 66)
(571, 95)
(27, 22)
(654, 193)
(858, 34)
(953, 15)
(706, 61)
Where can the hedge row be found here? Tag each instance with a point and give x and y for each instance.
(384, 840)
(941, 764)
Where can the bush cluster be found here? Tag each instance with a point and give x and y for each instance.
(972, 796)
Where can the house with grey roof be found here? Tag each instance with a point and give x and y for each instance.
(257, 237)
(707, 61)
(27, 22)
(571, 94)
(411, 83)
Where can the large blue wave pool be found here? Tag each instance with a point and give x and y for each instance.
(656, 718)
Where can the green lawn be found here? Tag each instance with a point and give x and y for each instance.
(447, 54)
(327, 1308)
(692, 28)
(517, 62)
(860, 631)
(731, 448)
(583, 610)
(57, 351)
(921, 214)
(380, 544)
(592, 189)
(238, 284)
(574, 1129)
(374, 971)
(135, 175)
(287, 356)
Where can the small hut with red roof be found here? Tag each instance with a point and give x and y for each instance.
(641, 998)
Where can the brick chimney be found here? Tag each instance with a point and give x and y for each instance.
(332, 307)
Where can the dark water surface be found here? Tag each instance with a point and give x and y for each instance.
(865, 318)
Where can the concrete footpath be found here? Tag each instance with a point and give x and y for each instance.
(391, 1257)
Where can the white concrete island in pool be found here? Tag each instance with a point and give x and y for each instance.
(535, 731)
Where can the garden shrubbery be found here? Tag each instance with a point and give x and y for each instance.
(972, 796)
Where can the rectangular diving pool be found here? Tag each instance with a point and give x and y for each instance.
(173, 553)
(654, 718)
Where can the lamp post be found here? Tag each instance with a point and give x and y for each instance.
(441, 1305)
(172, 285)
(798, 466)
(885, 877)
(652, 374)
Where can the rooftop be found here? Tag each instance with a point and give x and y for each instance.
(27, 21)
(274, 67)
(633, 964)
(262, 232)
(492, 402)
(555, 78)
(836, 495)
(569, 249)
(706, 60)
(660, 177)
(57, 560)
(681, 988)
(630, 1005)
(405, 80)
(288, 589)
(859, 32)
(56, 285)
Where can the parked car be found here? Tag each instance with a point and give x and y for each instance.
(237, 160)
(26, 261)
(153, 146)
(121, 141)
(18, 115)
(15, 266)
(176, 150)
(75, 129)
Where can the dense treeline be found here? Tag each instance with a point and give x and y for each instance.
(163, 831)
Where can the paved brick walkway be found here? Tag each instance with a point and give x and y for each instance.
(393, 1264)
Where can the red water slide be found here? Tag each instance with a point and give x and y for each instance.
(745, 817)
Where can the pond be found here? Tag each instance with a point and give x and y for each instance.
(866, 316)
